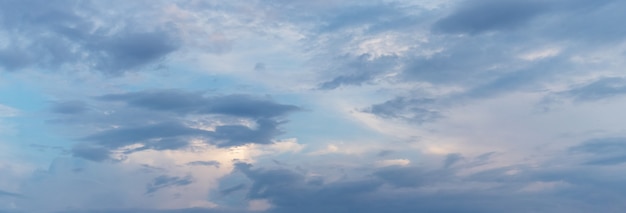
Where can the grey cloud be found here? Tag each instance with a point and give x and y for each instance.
(164, 181)
(235, 135)
(487, 15)
(291, 190)
(413, 110)
(599, 89)
(602, 146)
(69, 107)
(603, 151)
(463, 61)
(116, 138)
(160, 120)
(216, 164)
(593, 22)
(170, 136)
(371, 15)
(288, 191)
(182, 210)
(451, 159)
(91, 152)
(359, 70)
(10, 194)
(68, 34)
(188, 102)
(409, 176)
(13, 59)
(259, 66)
(130, 50)
(612, 160)
(270, 183)
(232, 189)
(385, 153)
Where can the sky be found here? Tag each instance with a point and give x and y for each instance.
(274, 106)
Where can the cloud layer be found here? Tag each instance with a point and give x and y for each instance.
(312, 106)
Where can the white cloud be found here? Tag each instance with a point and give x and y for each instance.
(7, 111)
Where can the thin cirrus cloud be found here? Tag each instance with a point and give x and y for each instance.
(299, 106)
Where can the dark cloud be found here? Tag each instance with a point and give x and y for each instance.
(413, 110)
(164, 181)
(479, 16)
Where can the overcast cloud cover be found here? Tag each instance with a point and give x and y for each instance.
(277, 106)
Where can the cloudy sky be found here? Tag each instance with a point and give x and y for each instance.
(438, 106)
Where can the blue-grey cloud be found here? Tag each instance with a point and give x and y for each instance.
(164, 181)
(451, 159)
(10, 194)
(158, 120)
(116, 138)
(127, 51)
(91, 152)
(289, 191)
(591, 22)
(65, 33)
(135, 210)
(216, 164)
(489, 15)
(359, 70)
(603, 151)
(232, 189)
(406, 176)
(373, 16)
(196, 103)
(69, 107)
(236, 135)
(602, 146)
(413, 110)
(599, 89)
